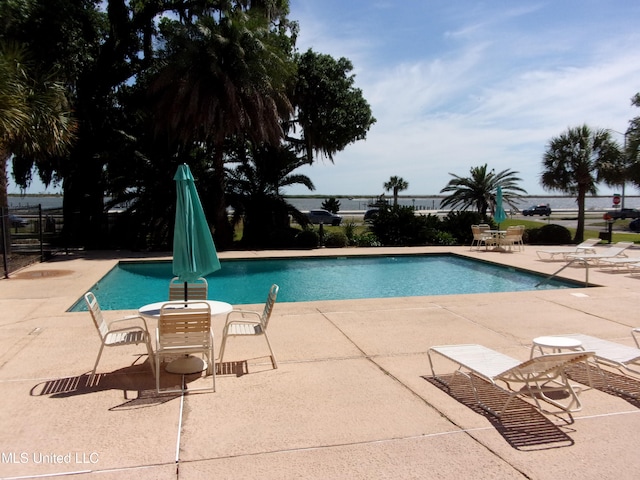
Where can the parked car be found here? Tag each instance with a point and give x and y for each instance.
(371, 214)
(325, 217)
(16, 221)
(624, 213)
(542, 210)
(634, 225)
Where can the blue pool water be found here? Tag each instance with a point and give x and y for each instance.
(133, 284)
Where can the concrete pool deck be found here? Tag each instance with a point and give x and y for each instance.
(349, 399)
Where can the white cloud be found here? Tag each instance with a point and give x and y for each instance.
(496, 94)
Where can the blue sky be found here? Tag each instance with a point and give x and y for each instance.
(457, 84)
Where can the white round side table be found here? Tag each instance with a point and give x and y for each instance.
(555, 344)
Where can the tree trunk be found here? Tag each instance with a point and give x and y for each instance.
(4, 202)
(83, 201)
(223, 231)
(579, 237)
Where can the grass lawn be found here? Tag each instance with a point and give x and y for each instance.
(590, 223)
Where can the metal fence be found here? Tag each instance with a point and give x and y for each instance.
(28, 235)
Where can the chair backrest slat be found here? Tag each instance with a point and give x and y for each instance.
(268, 307)
(184, 326)
(197, 290)
(96, 314)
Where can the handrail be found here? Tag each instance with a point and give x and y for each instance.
(586, 264)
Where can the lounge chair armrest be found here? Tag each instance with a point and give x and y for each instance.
(130, 318)
(129, 329)
(243, 320)
(635, 333)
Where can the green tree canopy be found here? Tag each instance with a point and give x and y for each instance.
(576, 161)
(35, 118)
(330, 113)
(478, 191)
(632, 150)
(157, 83)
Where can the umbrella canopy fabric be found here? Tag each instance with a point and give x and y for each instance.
(194, 253)
(500, 215)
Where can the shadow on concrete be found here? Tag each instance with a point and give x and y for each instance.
(623, 386)
(136, 382)
(523, 426)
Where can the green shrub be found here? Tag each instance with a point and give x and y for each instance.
(280, 238)
(307, 239)
(367, 239)
(444, 238)
(458, 224)
(399, 225)
(547, 235)
(335, 240)
(349, 230)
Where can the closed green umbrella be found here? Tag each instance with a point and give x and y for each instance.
(194, 253)
(500, 215)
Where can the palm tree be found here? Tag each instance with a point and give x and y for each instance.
(396, 184)
(254, 190)
(223, 79)
(479, 190)
(576, 161)
(632, 144)
(35, 118)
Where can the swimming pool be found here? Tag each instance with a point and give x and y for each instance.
(130, 285)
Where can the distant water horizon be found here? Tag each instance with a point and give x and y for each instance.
(363, 202)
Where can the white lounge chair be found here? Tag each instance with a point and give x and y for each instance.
(238, 325)
(585, 247)
(610, 353)
(540, 375)
(117, 337)
(605, 352)
(619, 262)
(617, 250)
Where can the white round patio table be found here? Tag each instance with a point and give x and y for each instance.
(153, 309)
(189, 363)
(555, 344)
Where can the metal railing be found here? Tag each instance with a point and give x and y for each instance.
(28, 235)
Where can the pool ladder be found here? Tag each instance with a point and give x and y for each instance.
(579, 260)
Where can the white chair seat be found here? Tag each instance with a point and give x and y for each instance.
(244, 329)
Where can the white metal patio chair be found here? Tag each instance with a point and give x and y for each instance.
(238, 324)
(116, 337)
(513, 237)
(184, 328)
(479, 238)
(540, 375)
(198, 290)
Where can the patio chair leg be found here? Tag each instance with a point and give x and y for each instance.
(95, 367)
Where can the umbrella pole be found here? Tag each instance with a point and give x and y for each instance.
(186, 292)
